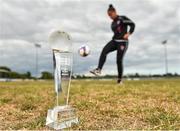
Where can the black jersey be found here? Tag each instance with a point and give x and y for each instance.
(120, 27)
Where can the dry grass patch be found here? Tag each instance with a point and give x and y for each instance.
(151, 104)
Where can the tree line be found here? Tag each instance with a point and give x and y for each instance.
(6, 72)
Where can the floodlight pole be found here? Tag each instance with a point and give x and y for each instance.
(166, 56)
(37, 60)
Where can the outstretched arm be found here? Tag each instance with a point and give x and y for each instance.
(130, 23)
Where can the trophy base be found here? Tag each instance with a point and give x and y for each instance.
(61, 117)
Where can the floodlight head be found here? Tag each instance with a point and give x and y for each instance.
(37, 45)
(164, 42)
(60, 41)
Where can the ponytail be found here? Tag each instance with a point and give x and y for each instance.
(111, 8)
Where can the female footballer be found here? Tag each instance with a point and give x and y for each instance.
(119, 41)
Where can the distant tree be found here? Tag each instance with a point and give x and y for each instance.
(46, 75)
(83, 77)
(157, 75)
(109, 76)
(78, 76)
(168, 75)
(176, 74)
(14, 75)
(5, 68)
(28, 74)
(137, 75)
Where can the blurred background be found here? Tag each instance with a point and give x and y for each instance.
(154, 48)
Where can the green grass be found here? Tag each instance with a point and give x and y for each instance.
(100, 104)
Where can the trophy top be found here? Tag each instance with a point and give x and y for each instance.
(60, 41)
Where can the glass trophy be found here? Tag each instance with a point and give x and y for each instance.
(62, 115)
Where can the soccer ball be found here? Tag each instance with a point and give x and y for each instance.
(84, 51)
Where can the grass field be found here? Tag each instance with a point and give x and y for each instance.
(148, 104)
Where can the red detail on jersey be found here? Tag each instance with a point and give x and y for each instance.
(119, 29)
(122, 47)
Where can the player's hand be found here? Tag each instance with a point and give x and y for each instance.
(126, 36)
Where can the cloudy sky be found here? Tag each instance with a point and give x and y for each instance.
(25, 22)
